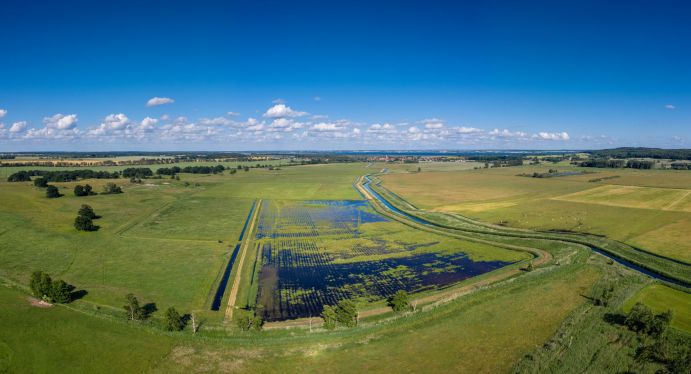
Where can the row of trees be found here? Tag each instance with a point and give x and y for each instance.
(61, 176)
(191, 170)
(618, 163)
(43, 287)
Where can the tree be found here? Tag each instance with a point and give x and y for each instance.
(111, 188)
(41, 285)
(329, 316)
(41, 182)
(639, 317)
(346, 313)
(86, 211)
(174, 321)
(84, 223)
(250, 321)
(52, 192)
(400, 301)
(134, 311)
(658, 325)
(79, 190)
(61, 292)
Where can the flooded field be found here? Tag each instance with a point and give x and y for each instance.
(315, 253)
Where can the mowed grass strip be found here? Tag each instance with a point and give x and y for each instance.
(661, 298)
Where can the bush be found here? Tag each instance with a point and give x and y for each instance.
(87, 211)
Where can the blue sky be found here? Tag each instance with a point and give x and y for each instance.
(265, 75)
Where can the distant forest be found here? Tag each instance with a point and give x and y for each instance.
(631, 152)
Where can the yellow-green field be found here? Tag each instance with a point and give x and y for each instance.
(652, 212)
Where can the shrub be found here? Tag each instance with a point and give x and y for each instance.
(41, 182)
(83, 223)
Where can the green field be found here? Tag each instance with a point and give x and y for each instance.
(167, 241)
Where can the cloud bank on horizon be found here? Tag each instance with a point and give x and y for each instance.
(279, 127)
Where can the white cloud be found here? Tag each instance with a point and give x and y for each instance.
(61, 121)
(278, 101)
(218, 121)
(154, 101)
(468, 130)
(3, 112)
(281, 110)
(413, 130)
(326, 127)
(670, 107)
(505, 133)
(18, 127)
(233, 114)
(552, 136)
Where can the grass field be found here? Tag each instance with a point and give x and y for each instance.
(655, 207)
(160, 240)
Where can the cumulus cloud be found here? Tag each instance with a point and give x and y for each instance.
(325, 127)
(505, 133)
(670, 107)
(154, 101)
(233, 114)
(61, 121)
(282, 111)
(468, 130)
(18, 127)
(552, 136)
(3, 112)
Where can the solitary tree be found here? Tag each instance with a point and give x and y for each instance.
(174, 321)
(400, 301)
(329, 316)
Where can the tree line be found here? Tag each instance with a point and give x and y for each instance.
(61, 176)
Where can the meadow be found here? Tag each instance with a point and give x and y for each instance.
(169, 242)
(646, 209)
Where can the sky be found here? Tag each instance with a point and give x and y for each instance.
(343, 75)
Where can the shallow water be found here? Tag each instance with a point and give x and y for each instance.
(298, 277)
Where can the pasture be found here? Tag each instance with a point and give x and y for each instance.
(651, 213)
(170, 241)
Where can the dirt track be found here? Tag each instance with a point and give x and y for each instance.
(238, 275)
